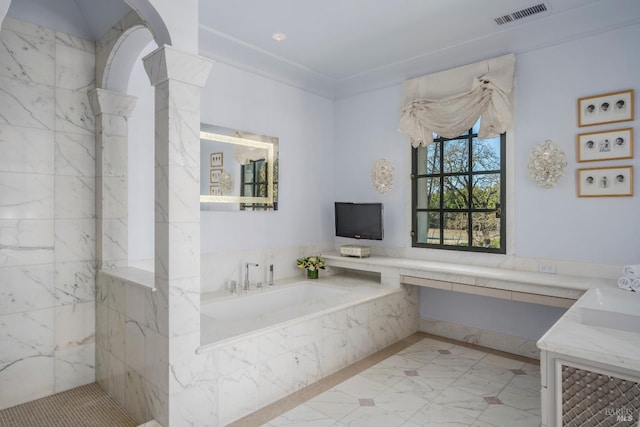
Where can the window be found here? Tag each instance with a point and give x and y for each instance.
(254, 184)
(458, 193)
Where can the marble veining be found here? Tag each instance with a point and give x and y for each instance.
(614, 347)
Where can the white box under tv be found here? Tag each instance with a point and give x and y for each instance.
(355, 251)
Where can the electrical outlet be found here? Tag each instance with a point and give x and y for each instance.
(547, 268)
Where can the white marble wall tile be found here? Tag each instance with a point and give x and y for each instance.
(73, 112)
(184, 310)
(26, 58)
(185, 205)
(308, 365)
(26, 288)
(134, 396)
(157, 308)
(113, 152)
(112, 193)
(74, 282)
(75, 197)
(305, 333)
(112, 243)
(71, 41)
(179, 243)
(333, 350)
(26, 104)
(115, 334)
(75, 154)
(26, 379)
(134, 345)
(26, 242)
(74, 240)
(378, 333)
(358, 343)
(26, 150)
(277, 377)
(188, 369)
(135, 303)
(157, 360)
(273, 344)
(26, 195)
(195, 406)
(26, 334)
(28, 28)
(102, 367)
(116, 297)
(75, 325)
(157, 403)
(334, 323)
(238, 393)
(235, 357)
(75, 69)
(102, 325)
(117, 379)
(183, 130)
(74, 367)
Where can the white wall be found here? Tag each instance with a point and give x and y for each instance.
(549, 224)
(304, 125)
(556, 223)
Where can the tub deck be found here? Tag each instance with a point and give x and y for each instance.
(226, 317)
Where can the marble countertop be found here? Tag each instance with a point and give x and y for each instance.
(494, 277)
(568, 336)
(137, 276)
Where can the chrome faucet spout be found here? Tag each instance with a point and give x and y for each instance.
(246, 274)
(271, 275)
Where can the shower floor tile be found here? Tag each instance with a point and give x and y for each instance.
(430, 382)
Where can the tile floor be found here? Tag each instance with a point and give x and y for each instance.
(430, 383)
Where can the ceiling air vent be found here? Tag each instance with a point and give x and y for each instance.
(521, 14)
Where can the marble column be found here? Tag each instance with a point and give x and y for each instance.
(111, 109)
(178, 78)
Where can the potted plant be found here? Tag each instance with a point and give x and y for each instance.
(312, 264)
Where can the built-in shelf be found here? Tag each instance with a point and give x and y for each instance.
(526, 286)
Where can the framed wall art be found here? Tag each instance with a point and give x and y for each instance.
(215, 190)
(214, 175)
(605, 145)
(216, 160)
(605, 182)
(607, 108)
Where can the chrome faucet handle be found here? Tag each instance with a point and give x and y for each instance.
(259, 285)
(233, 287)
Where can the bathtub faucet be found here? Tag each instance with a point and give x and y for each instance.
(246, 274)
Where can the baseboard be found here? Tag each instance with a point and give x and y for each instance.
(489, 339)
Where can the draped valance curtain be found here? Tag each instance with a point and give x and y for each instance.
(450, 102)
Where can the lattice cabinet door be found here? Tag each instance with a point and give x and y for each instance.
(597, 397)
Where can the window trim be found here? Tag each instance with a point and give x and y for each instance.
(469, 136)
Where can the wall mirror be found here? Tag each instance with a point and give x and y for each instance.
(238, 170)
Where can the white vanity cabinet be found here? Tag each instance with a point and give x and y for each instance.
(590, 374)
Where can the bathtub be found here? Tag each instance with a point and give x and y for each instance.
(228, 317)
(261, 346)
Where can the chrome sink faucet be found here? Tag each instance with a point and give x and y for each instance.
(246, 274)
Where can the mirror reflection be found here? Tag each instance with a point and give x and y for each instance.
(238, 170)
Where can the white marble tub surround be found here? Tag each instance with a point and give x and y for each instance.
(563, 286)
(227, 317)
(257, 369)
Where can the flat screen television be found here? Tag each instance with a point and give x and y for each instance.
(359, 220)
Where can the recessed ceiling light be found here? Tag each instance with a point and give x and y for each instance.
(279, 36)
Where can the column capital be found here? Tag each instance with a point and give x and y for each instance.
(167, 63)
(108, 102)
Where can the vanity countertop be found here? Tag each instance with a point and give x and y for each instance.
(614, 347)
(492, 277)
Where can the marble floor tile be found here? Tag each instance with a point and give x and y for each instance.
(429, 383)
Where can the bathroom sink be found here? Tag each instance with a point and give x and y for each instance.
(610, 308)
